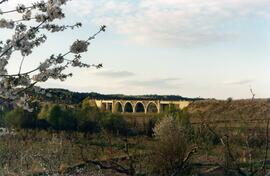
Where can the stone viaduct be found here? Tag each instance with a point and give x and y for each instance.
(139, 106)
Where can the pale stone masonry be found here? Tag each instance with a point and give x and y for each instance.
(139, 106)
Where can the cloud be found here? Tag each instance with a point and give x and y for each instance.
(81, 7)
(168, 22)
(237, 82)
(114, 74)
(177, 22)
(160, 83)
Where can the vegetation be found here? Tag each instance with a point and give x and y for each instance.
(76, 139)
(171, 153)
(82, 118)
(58, 132)
(19, 118)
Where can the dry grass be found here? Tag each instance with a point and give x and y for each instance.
(236, 110)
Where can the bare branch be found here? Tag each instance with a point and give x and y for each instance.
(267, 145)
(14, 10)
(2, 1)
(226, 146)
(252, 93)
(20, 68)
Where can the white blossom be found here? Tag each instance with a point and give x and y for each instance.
(59, 59)
(27, 15)
(41, 77)
(3, 63)
(44, 66)
(76, 63)
(57, 2)
(79, 46)
(6, 24)
(22, 102)
(24, 80)
(24, 39)
(40, 18)
(40, 6)
(21, 27)
(55, 12)
(20, 42)
(21, 8)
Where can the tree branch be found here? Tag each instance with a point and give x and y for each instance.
(2, 1)
(35, 29)
(226, 146)
(20, 68)
(252, 93)
(266, 152)
(102, 28)
(15, 10)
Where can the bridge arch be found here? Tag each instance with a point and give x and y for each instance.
(118, 107)
(139, 107)
(152, 107)
(128, 107)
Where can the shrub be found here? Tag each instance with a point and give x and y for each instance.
(171, 148)
(88, 117)
(149, 131)
(183, 118)
(44, 112)
(89, 127)
(204, 136)
(115, 123)
(42, 124)
(19, 118)
(61, 119)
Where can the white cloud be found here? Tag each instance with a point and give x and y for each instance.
(168, 22)
(161, 83)
(238, 82)
(114, 74)
(80, 8)
(177, 22)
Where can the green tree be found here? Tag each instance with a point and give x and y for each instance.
(115, 123)
(61, 119)
(67, 120)
(44, 112)
(19, 118)
(87, 117)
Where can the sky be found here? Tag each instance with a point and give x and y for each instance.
(193, 48)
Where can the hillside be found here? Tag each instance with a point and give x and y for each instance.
(235, 110)
(69, 97)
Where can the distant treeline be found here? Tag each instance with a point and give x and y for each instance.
(69, 97)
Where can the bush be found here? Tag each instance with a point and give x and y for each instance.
(90, 127)
(61, 119)
(44, 112)
(183, 118)
(3, 111)
(88, 118)
(149, 131)
(205, 136)
(171, 148)
(115, 123)
(19, 118)
(42, 124)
